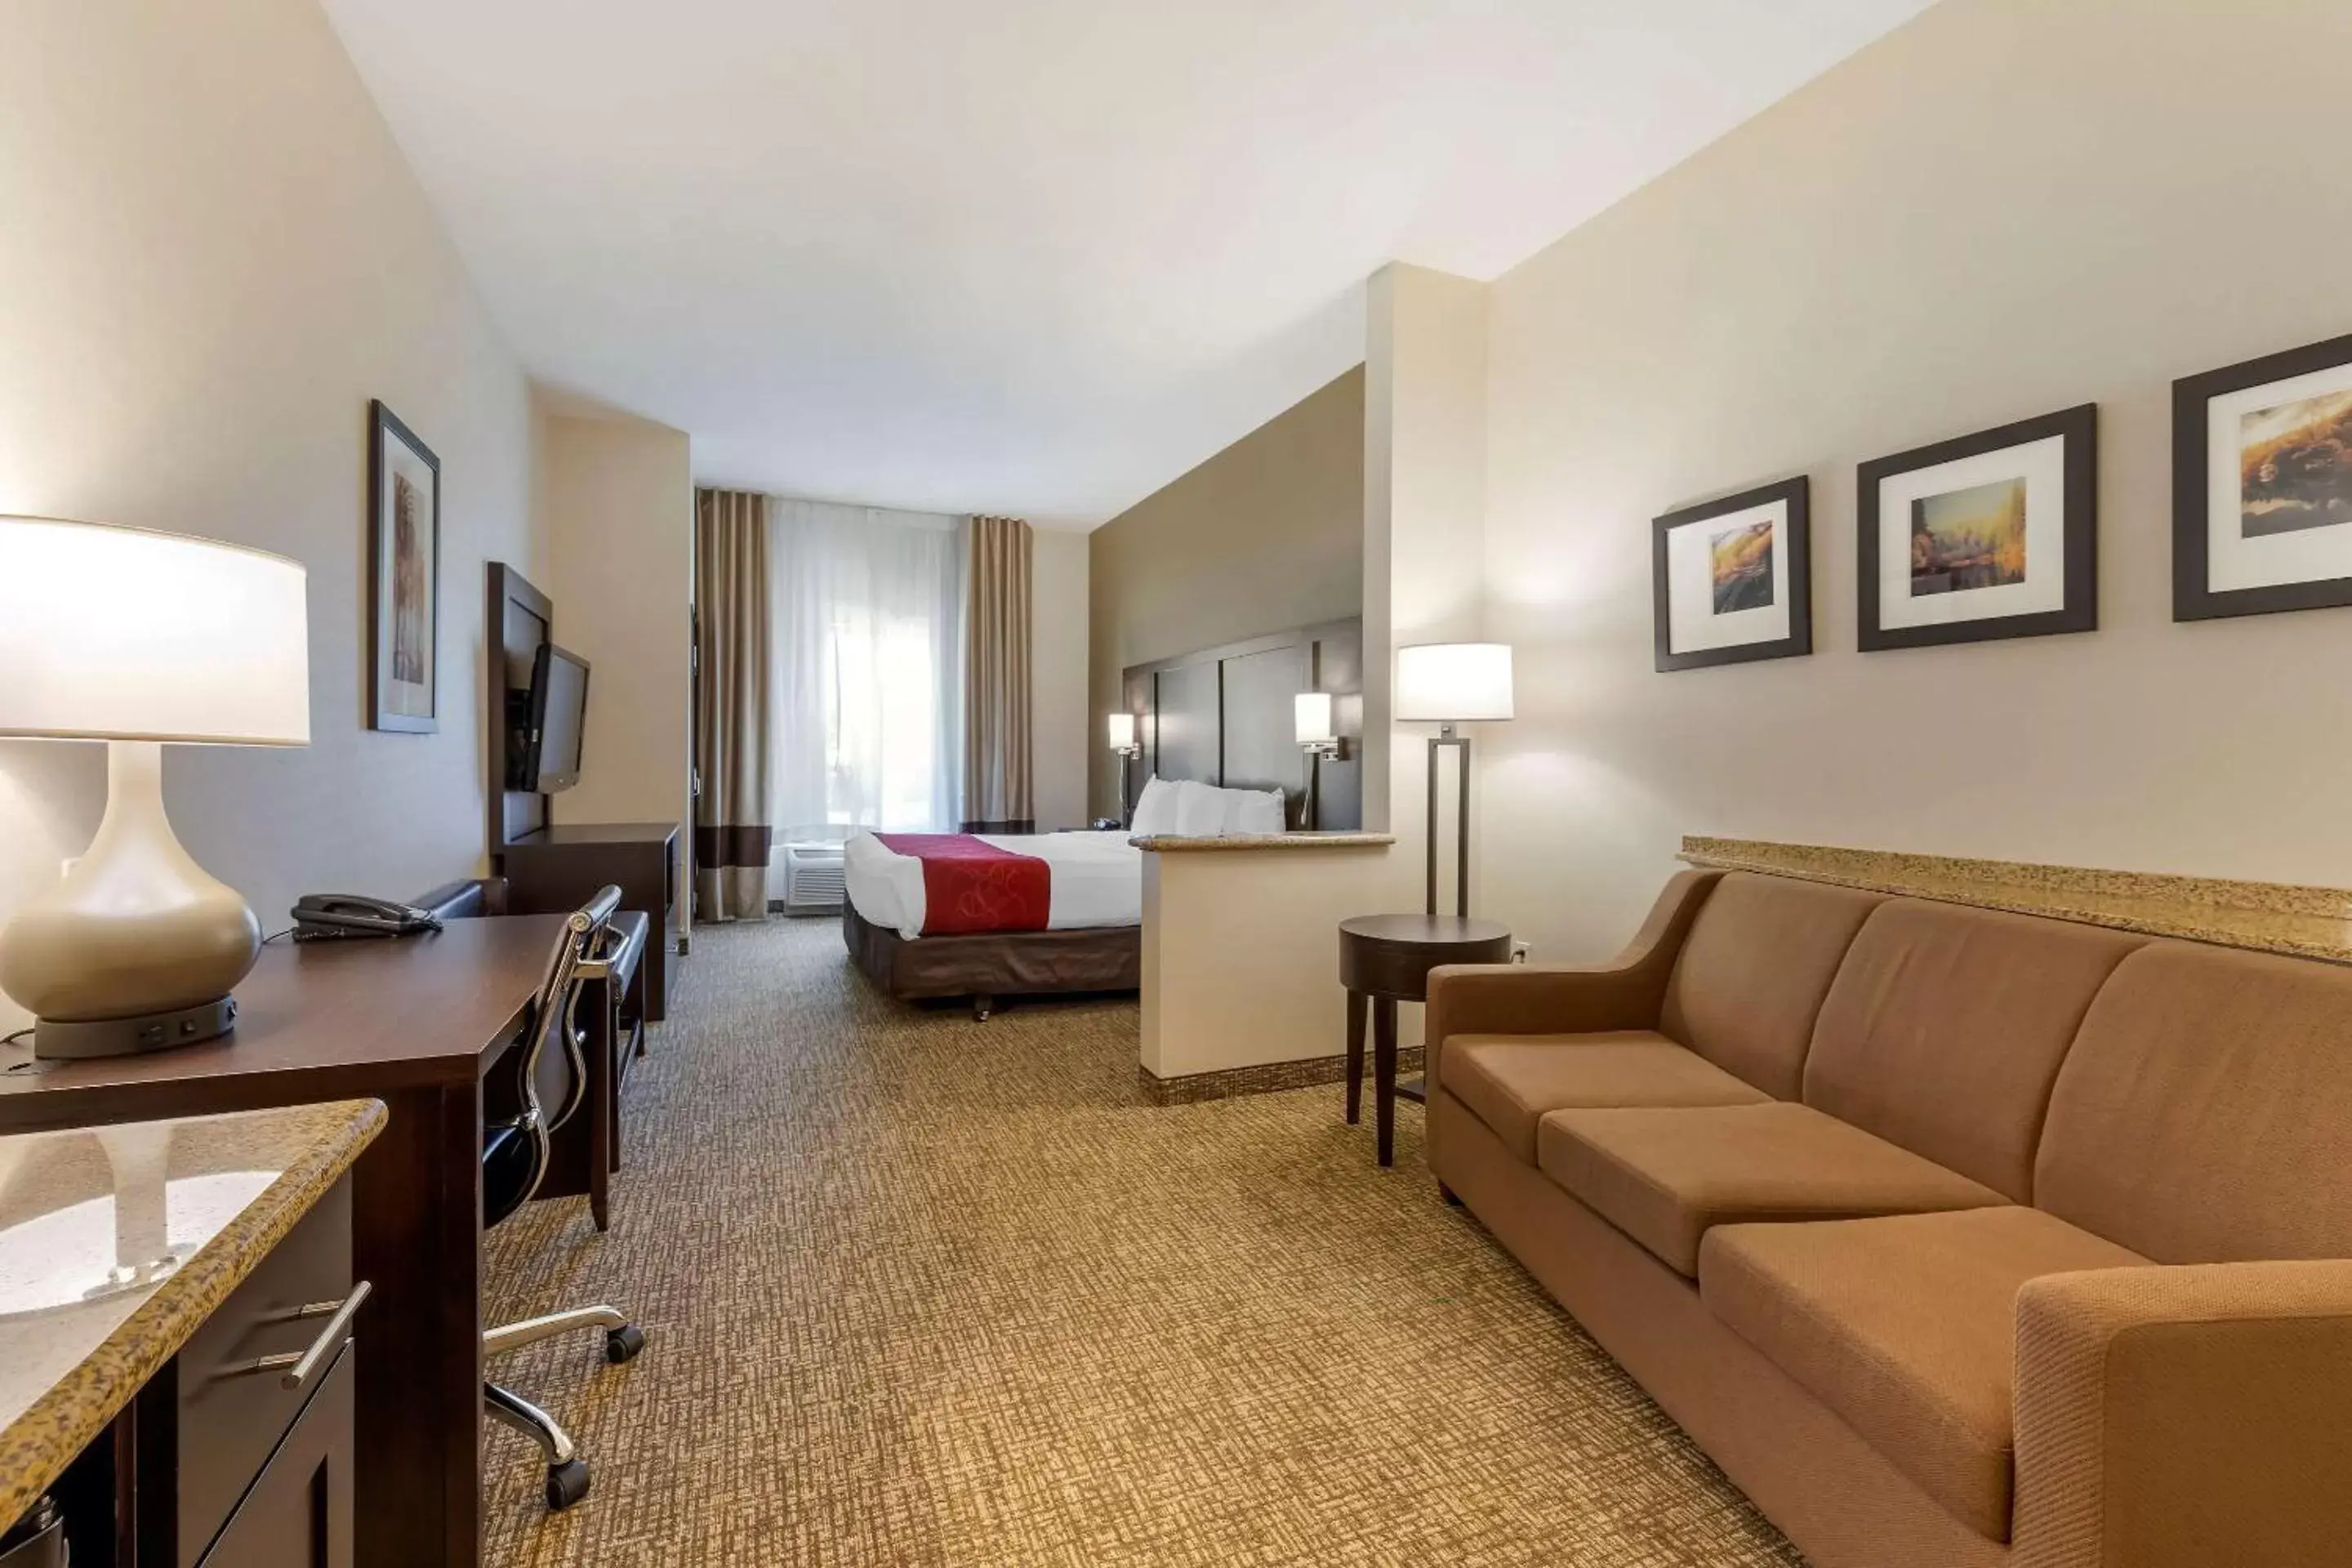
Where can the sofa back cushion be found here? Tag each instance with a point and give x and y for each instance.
(1946, 1027)
(2204, 1114)
(1753, 970)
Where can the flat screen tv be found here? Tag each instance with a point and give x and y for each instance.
(548, 758)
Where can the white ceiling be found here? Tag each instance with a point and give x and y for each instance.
(1034, 257)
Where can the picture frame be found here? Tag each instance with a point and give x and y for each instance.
(1985, 536)
(403, 577)
(2262, 485)
(1731, 580)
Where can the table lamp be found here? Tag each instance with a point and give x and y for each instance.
(139, 639)
(1452, 683)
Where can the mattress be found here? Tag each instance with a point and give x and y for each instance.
(1098, 879)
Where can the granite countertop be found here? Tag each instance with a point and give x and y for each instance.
(231, 1188)
(1164, 842)
(2266, 917)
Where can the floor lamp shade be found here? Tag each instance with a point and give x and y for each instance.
(1454, 683)
(138, 638)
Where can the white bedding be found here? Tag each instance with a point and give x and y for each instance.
(1098, 879)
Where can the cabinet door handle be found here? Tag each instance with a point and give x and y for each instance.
(296, 1369)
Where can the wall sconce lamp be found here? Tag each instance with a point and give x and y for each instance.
(1121, 734)
(1318, 737)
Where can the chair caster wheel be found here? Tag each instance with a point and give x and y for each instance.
(566, 1485)
(623, 1343)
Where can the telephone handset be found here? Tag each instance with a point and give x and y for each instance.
(325, 917)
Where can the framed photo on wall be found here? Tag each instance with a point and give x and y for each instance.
(1990, 535)
(403, 577)
(1731, 580)
(2262, 485)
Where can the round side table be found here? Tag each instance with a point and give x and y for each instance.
(1385, 960)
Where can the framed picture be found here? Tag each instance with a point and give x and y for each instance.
(1731, 580)
(2262, 485)
(1992, 535)
(403, 577)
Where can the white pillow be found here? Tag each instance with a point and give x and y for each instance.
(1254, 811)
(1155, 808)
(1200, 810)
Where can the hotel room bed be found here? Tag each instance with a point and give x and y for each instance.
(1091, 940)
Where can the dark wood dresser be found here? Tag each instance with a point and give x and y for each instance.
(554, 870)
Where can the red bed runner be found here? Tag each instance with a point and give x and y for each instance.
(970, 886)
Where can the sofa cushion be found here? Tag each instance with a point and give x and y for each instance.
(1666, 1176)
(1906, 1327)
(1945, 1027)
(2204, 1114)
(1511, 1082)
(1752, 972)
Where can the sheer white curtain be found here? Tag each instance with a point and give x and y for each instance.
(867, 671)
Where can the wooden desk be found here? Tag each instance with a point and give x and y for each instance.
(413, 1023)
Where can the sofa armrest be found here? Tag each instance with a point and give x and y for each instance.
(2185, 1416)
(1625, 992)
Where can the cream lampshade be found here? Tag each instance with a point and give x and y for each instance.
(1122, 731)
(1311, 712)
(1453, 682)
(138, 638)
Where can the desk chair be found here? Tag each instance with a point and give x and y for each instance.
(514, 1162)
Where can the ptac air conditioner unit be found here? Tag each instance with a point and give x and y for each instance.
(812, 877)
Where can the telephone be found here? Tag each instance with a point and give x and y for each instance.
(326, 917)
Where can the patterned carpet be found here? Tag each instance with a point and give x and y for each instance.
(922, 1292)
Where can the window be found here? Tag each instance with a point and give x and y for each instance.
(867, 669)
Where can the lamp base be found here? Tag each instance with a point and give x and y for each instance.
(57, 1040)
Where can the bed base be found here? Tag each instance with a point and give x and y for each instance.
(994, 964)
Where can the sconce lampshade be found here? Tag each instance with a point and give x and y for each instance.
(1313, 712)
(117, 633)
(1122, 731)
(1454, 683)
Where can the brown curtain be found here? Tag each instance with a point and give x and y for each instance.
(996, 798)
(731, 832)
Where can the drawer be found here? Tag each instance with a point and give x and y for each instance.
(230, 1418)
(299, 1514)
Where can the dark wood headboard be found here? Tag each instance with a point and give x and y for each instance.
(1225, 716)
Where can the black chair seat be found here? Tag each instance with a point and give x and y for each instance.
(509, 1171)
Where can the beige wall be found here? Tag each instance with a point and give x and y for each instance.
(1241, 948)
(1424, 502)
(1266, 535)
(213, 256)
(615, 504)
(2006, 208)
(617, 512)
(1058, 730)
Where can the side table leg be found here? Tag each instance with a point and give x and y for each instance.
(1357, 1001)
(1384, 1070)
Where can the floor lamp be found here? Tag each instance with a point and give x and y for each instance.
(1449, 684)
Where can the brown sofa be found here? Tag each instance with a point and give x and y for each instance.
(1955, 1237)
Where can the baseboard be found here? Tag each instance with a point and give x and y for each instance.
(1268, 1078)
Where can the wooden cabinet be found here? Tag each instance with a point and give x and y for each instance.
(240, 1452)
(556, 869)
(299, 1513)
